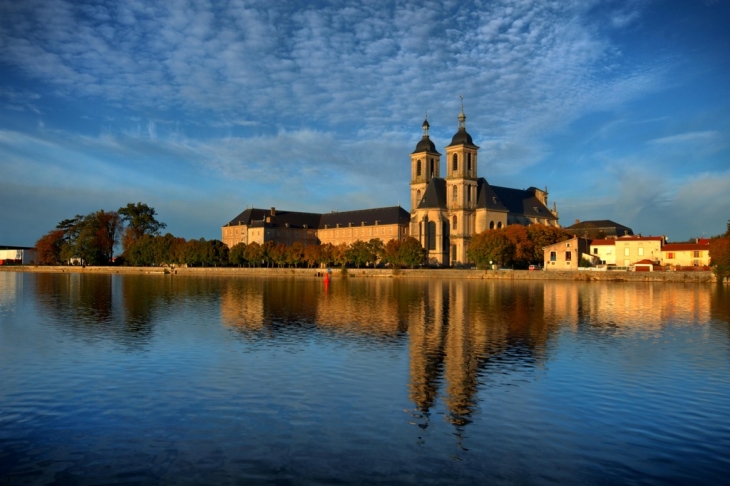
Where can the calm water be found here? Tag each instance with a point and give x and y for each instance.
(180, 380)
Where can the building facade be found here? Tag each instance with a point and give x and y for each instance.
(687, 254)
(447, 212)
(289, 227)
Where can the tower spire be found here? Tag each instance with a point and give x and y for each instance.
(462, 116)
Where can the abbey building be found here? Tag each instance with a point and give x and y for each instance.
(445, 212)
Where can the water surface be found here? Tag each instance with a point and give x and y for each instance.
(188, 380)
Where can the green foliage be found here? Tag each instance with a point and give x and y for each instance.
(236, 255)
(491, 246)
(140, 220)
(411, 253)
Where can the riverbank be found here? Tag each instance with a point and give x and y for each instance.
(579, 275)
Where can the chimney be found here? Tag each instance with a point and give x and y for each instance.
(273, 211)
(577, 221)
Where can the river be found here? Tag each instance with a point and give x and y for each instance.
(168, 379)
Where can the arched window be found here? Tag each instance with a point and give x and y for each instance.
(455, 163)
(430, 167)
(418, 168)
(431, 235)
(491, 225)
(499, 225)
(418, 197)
(468, 162)
(454, 223)
(454, 194)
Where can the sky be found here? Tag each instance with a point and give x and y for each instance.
(203, 109)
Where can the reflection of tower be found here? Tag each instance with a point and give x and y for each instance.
(427, 333)
(462, 357)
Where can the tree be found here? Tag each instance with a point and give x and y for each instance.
(720, 257)
(542, 236)
(236, 255)
(411, 253)
(491, 246)
(524, 246)
(376, 249)
(312, 254)
(48, 247)
(339, 254)
(391, 252)
(140, 220)
(254, 254)
(358, 253)
(295, 254)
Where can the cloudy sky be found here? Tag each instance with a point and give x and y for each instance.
(201, 109)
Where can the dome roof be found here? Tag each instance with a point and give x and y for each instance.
(425, 145)
(462, 137)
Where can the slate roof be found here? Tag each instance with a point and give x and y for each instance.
(606, 225)
(388, 215)
(435, 194)
(256, 217)
(426, 145)
(519, 201)
(462, 137)
(493, 198)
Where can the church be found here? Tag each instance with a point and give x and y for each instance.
(445, 212)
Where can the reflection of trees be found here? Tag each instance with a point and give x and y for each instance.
(75, 299)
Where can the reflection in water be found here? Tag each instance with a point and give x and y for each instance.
(273, 377)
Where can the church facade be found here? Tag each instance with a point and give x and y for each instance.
(446, 212)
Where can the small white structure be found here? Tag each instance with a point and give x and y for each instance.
(17, 255)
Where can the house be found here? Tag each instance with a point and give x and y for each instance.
(631, 249)
(686, 254)
(604, 250)
(566, 255)
(17, 255)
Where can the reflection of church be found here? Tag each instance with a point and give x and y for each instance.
(447, 212)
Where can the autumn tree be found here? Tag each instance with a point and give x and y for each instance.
(542, 236)
(524, 247)
(48, 247)
(491, 246)
(391, 253)
(254, 254)
(312, 254)
(720, 256)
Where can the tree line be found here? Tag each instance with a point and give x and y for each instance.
(514, 245)
(91, 240)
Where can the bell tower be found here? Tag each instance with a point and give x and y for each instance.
(425, 165)
(461, 189)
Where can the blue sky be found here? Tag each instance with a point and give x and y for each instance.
(201, 109)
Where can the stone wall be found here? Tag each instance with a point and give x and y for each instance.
(678, 277)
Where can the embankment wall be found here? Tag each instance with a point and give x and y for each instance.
(578, 275)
